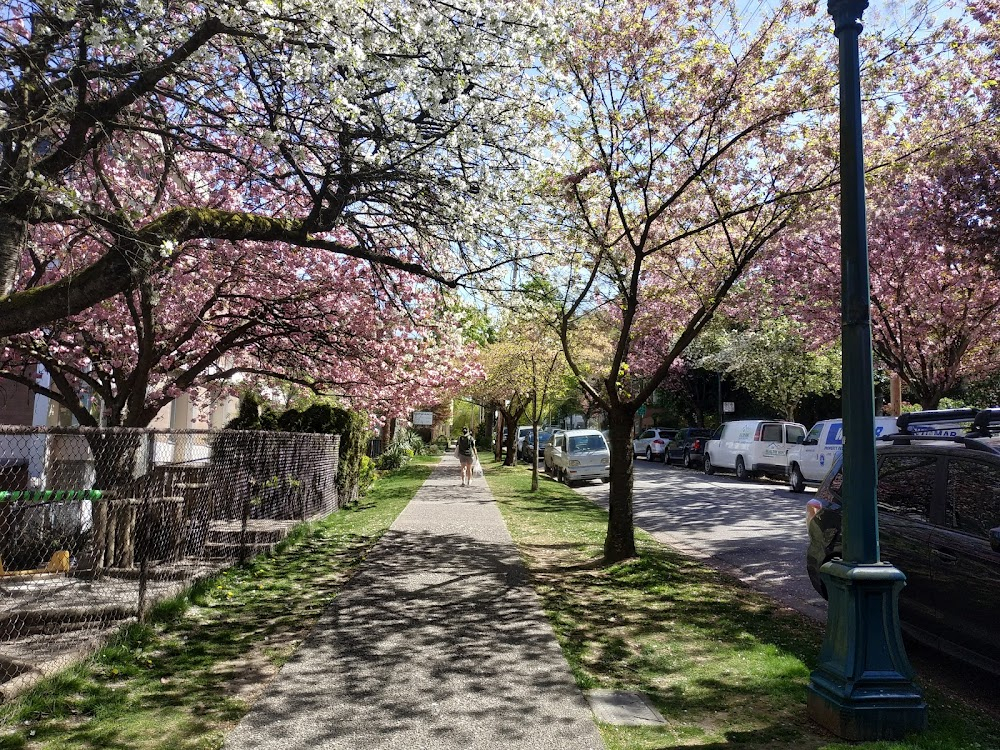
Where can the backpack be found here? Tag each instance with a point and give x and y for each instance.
(465, 445)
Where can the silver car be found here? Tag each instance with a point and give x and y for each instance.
(651, 443)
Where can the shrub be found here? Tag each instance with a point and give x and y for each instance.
(322, 418)
(254, 415)
(366, 476)
(413, 442)
(483, 434)
(393, 457)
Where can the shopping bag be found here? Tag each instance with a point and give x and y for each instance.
(477, 470)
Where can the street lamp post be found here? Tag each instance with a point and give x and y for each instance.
(863, 687)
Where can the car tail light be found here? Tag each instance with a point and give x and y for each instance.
(812, 508)
(657, 442)
(756, 434)
(696, 445)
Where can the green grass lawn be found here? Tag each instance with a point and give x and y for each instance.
(185, 678)
(726, 666)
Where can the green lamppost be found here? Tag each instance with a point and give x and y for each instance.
(863, 688)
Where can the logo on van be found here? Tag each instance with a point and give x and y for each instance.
(835, 436)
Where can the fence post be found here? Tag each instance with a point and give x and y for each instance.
(243, 527)
(142, 539)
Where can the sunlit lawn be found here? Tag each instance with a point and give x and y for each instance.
(725, 666)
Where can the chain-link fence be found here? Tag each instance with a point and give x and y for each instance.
(96, 526)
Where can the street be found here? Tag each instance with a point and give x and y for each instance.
(755, 530)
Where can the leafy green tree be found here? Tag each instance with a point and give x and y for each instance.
(775, 363)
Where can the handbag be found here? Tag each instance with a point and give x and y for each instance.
(477, 470)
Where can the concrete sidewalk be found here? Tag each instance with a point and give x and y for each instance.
(437, 643)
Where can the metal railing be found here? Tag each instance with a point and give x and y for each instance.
(96, 526)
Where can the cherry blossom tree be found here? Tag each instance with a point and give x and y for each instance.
(225, 311)
(390, 131)
(969, 183)
(935, 321)
(221, 314)
(695, 137)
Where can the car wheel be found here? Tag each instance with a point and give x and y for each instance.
(666, 457)
(687, 460)
(605, 480)
(649, 454)
(741, 469)
(796, 482)
(707, 465)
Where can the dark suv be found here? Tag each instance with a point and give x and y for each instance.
(939, 523)
(688, 446)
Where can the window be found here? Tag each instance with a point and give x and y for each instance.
(771, 433)
(647, 435)
(906, 485)
(794, 434)
(813, 437)
(581, 443)
(717, 435)
(836, 483)
(972, 502)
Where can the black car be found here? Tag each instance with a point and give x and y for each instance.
(939, 523)
(528, 446)
(688, 446)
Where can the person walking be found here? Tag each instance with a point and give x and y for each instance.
(467, 455)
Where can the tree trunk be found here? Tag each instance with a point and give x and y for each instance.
(511, 458)
(114, 458)
(928, 396)
(13, 234)
(620, 541)
(534, 455)
(498, 443)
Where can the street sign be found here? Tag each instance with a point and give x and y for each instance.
(423, 418)
(728, 407)
(642, 410)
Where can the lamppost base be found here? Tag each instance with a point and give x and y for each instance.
(863, 688)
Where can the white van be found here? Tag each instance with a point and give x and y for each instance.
(753, 446)
(809, 461)
(580, 454)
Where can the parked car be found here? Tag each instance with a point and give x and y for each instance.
(529, 449)
(687, 446)
(522, 432)
(939, 523)
(752, 446)
(651, 442)
(810, 460)
(578, 455)
(547, 451)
